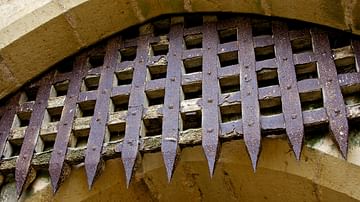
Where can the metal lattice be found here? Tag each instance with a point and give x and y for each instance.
(206, 76)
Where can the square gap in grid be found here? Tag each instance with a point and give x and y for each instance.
(264, 53)
(124, 77)
(96, 60)
(153, 126)
(261, 27)
(311, 100)
(191, 120)
(128, 54)
(193, 65)
(192, 91)
(162, 27)
(59, 89)
(28, 95)
(119, 103)
(157, 71)
(47, 142)
(65, 65)
(270, 106)
(161, 48)
(12, 149)
(230, 113)
(22, 119)
(53, 115)
(301, 45)
(90, 83)
(116, 132)
(86, 108)
(80, 138)
(345, 65)
(267, 77)
(306, 71)
(193, 41)
(193, 20)
(229, 84)
(228, 58)
(351, 94)
(339, 39)
(155, 97)
(227, 35)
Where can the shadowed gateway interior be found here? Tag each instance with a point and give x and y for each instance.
(178, 81)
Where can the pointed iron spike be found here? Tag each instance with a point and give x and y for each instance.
(128, 163)
(253, 151)
(169, 160)
(343, 148)
(55, 174)
(91, 170)
(297, 151)
(210, 153)
(296, 144)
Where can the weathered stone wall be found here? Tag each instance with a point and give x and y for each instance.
(36, 34)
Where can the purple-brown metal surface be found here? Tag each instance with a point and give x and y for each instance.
(101, 112)
(32, 133)
(290, 98)
(136, 105)
(210, 94)
(333, 99)
(250, 108)
(171, 111)
(65, 124)
(7, 120)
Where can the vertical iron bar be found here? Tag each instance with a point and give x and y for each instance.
(32, 134)
(290, 97)
(171, 109)
(210, 93)
(7, 120)
(66, 122)
(250, 108)
(136, 104)
(100, 118)
(333, 99)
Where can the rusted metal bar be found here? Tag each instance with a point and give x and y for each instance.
(100, 118)
(333, 99)
(210, 93)
(65, 124)
(136, 105)
(290, 98)
(6, 121)
(250, 108)
(171, 118)
(32, 134)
